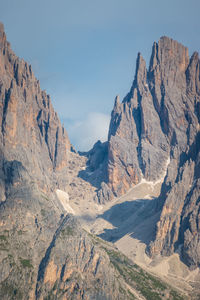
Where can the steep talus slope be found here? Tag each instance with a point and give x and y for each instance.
(44, 253)
(157, 127)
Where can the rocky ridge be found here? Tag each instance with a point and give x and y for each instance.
(31, 131)
(35, 161)
(44, 252)
(157, 125)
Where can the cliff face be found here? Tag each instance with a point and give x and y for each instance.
(44, 253)
(154, 129)
(43, 250)
(30, 130)
(158, 115)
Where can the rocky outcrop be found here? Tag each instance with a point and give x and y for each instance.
(157, 115)
(74, 267)
(178, 226)
(41, 255)
(157, 127)
(97, 160)
(44, 253)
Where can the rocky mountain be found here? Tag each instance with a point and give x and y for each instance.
(31, 131)
(154, 134)
(44, 251)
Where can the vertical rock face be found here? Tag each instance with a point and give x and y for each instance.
(157, 125)
(137, 144)
(157, 114)
(30, 130)
(44, 254)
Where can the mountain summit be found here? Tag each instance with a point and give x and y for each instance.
(157, 115)
(44, 253)
(52, 198)
(154, 134)
(31, 131)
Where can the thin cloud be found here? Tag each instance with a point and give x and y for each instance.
(83, 134)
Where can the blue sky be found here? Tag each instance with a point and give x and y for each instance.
(84, 51)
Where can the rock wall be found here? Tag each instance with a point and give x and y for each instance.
(157, 124)
(44, 253)
(30, 130)
(157, 115)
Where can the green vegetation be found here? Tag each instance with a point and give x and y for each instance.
(131, 296)
(146, 284)
(20, 232)
(11, 291)
(149, 286)
(43, 212)
(4, 245)
(55, 286)
(174, 295)
(3, 238)
(122, 290)
(67, 231)
(26, 263)
(11, 260)
(50, 296)
(2, 248)
(98, 241)
(45, 197)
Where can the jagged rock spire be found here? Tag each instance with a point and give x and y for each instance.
(157, 124)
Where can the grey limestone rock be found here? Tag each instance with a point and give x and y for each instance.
(157, 126)
(30, 130)
(44, 253)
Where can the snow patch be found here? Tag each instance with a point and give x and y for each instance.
(63, 197)
(99, 207)
(161, 179)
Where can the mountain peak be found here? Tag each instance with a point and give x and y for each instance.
(29, 124)
(157, 132)
(1, 27)
(117, 101)
(2, 35)
(170, 51)
(166, 41)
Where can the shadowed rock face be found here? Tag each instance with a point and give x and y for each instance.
(44, 253)
(30, 130)
(157, 125)
(157, 115)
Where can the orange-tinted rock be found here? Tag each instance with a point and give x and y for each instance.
(156, 123)
(30, 130)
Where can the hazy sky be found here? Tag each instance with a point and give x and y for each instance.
(84, 51)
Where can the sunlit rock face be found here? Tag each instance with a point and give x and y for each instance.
(31, 131)
(157, 125)
(44, 253)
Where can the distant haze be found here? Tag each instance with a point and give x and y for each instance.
(84, 52)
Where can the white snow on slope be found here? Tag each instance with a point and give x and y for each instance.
(63, 197)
